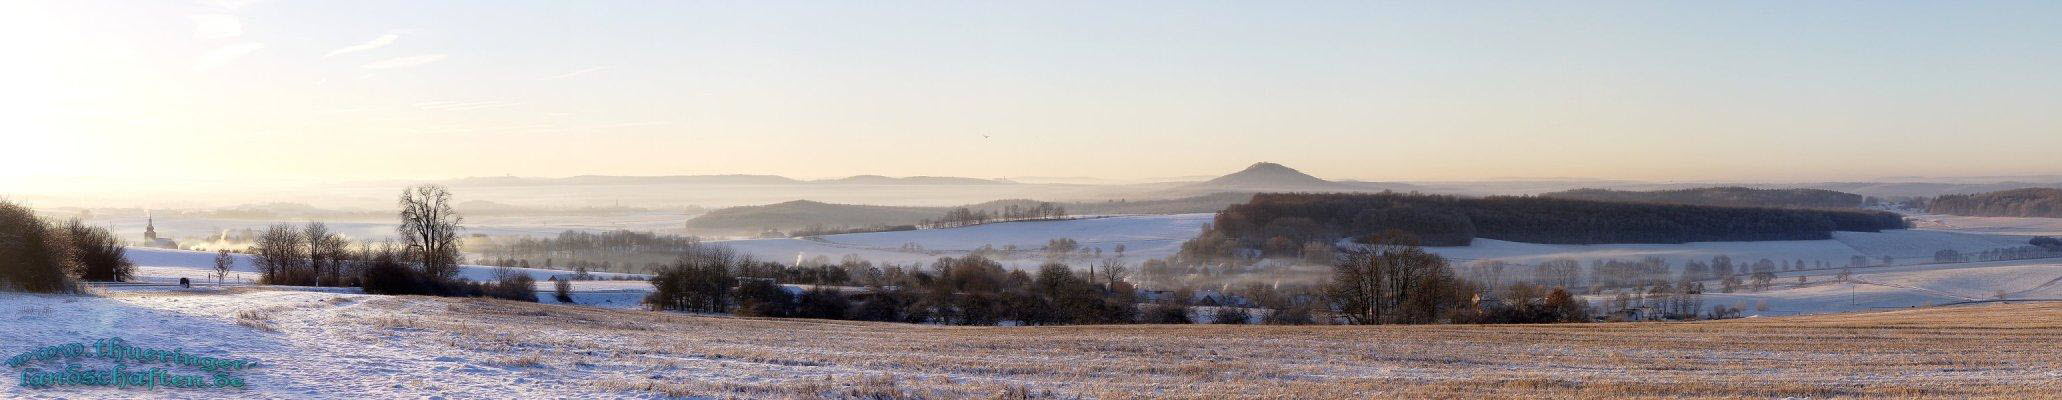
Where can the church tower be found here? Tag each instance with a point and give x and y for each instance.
(150, 229)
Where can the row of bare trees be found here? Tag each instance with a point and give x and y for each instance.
(963, 216)
(308, 255)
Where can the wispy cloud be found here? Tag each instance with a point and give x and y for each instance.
(216, 26)
(578, 72)
(224, 55)
(404, 62)
(378, 42)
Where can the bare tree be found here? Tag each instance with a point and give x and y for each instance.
(429, 228)
(222, 264)
(325, 253)
(563, 290)
(1114, 271)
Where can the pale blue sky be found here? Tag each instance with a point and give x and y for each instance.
(1379, 91)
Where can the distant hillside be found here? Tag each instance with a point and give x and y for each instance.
(1267, 175)
(2028, 202)
(803, 214)
(1272, 177)
(1722, 196)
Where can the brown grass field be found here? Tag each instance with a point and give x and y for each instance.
(1989, 351)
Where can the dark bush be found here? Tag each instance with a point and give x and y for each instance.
(385, 275)
(516, 286)
(1291, 315)
(1164, 313)
(824, 303)
(764, 298)
(882, 306)
(33, 256)
(1231, 316)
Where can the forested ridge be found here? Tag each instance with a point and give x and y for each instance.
(1284, 223)
(1722, 196)
(2028, 202)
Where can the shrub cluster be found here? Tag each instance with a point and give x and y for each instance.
(40, 256)
(388, 274)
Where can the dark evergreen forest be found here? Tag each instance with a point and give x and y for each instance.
(1278, 224)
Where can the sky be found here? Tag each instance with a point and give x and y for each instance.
(1645, 90)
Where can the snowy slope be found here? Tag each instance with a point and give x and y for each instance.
(2024, 226)
(1897, 287)
(307, 344)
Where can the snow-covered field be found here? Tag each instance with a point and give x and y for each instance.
(313, 344)
(307, 344)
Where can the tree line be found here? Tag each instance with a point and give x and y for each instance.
(1605, 275)
(969, 290)
(964, 216)
(2028, 202)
